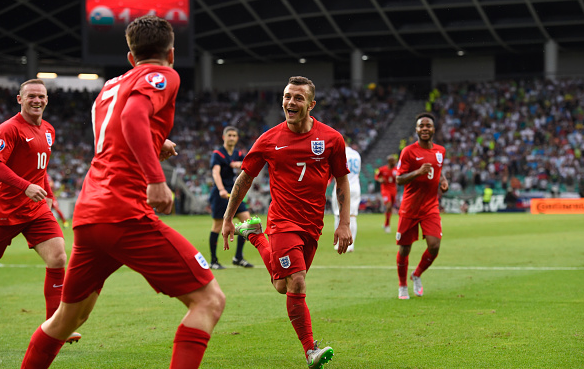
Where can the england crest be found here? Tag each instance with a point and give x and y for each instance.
(285, 262)
(201, 260)
(318, 147)
(439, 157)
(49, 138)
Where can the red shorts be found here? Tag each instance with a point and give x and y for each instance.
(292, 252)
(36, 231)
(165, 258)
(388, 197)
(407, 228)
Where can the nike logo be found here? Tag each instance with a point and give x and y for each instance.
(29, 139)
(281, 147)
(57, 286)
(420, 158)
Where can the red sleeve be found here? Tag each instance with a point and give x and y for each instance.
(254, 160)
(403, 165)
(136, 129)
(9, 177)
(48, 188)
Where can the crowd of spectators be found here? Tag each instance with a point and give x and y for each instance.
(525, 135)
(199, 122)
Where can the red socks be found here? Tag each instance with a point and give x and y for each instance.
(425, 262)
(261, 243)
(41, 351)
(300, 318)
(53, 287)
(189, 347)
(402, 269)
(387, 217)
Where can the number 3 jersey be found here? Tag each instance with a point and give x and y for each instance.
(420, 196)
(114, 188)
(299, 166)
(26, 150)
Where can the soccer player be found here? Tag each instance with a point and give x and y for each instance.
(385, 175)
(223, 162)
(302, 154)
(25, 194)
(114, 222)
(354, 163)
(419, 170)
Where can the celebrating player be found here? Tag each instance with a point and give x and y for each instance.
(223, 162)
(419, 170)
(25, 193)
(114, 223)
(302, 153)
(385, 175)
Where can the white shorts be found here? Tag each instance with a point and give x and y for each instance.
(355, 201)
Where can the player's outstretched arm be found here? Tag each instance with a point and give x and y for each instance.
(240, 188)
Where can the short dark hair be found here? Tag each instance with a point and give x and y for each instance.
(302, 81)
(35, 81)
(426, 115)
(230, 128)
(149, 37)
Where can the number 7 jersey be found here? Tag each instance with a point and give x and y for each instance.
(300, 166)
(420, 196)
(114, 189)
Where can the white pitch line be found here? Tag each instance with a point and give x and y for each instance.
(447, 267)
(385, 267)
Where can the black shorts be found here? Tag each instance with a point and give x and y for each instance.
(219, 205)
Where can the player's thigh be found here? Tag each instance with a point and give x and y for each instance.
(243, 216)
(90, 263)
(41, 229)
(292, 252)
(168, 261)
(7, 234)
(407, 231)
(432, 226)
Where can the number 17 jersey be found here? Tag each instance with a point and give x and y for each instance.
(114, 189)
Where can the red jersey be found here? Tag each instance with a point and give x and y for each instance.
(26, 149)
(114, 189)
(300, 166)
(420, 196)
(389, 184)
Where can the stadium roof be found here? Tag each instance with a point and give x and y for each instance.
(287, 30)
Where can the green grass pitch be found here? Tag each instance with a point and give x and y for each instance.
(505, 292)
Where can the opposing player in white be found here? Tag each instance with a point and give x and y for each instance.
(354, 163)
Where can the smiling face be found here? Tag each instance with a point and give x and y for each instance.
(425, 129)
(297, 103)
(33, 100)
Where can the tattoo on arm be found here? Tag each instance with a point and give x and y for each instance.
(240, 188)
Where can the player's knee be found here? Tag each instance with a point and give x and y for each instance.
(280, 286)
(215, 300)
